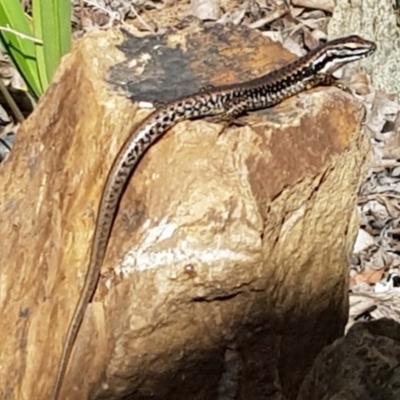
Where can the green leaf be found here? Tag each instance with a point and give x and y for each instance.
(39, 48)
(21, 50)
(64, 15)
(51, 22)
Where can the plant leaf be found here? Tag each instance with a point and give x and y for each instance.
(21, 50)
(51, 21)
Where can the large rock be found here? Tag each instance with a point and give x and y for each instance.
(378, 21)
(226, 272)
(362, 365)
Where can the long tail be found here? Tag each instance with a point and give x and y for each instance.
(139, 140)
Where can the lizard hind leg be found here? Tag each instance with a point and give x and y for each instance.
(229, 117)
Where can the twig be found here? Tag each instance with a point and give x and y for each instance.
(10, 101)
(277, 14)
(143, 22)
(95, 5)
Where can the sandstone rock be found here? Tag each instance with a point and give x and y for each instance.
(226, 272)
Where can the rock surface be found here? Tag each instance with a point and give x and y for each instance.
(226, 272)
(377, 21)
(363, 365)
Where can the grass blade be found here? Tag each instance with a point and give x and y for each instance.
(21, 50)
(51, 21)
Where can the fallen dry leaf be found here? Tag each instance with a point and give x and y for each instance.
(367, 276)
(206, 10)
(326, 5)
(359, 83)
